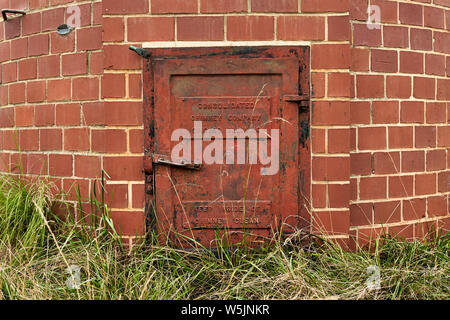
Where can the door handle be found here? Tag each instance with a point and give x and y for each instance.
(165, 160)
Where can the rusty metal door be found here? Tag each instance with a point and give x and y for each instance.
(216, 121)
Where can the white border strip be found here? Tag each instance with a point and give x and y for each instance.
(190, 44)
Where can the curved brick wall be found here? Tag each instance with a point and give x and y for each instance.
(379, 120)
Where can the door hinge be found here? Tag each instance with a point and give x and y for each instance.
(303, 101)
(149, 161)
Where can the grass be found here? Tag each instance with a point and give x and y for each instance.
(37, 252)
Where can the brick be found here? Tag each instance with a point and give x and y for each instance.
(437, 206)
(18, 163)
(38, 45)
(359, 59)
(129, 223)
(442, 42)
(174, 6)
(125, 7)
(331, 168)
(386, 162)
(398, 87)
(370, 86)
(5, 51)
(136, 140)
(319, 195)
(331, 222)
(85, 88)
(36, 91)
(116, 195)
(12, 28)
(113, 29)
(372, 188)
(444, 136)
(411, 62)
(96, 63)
(400, 137)
(135, 85)
(109, 141)
(421, 39)
(436, 160)
(360, 163)
(318, 84)
(413, 161)
(17, 93)
(401, 186)
(37, 164)
(60, 44)
(58, 90)
(75, 189)
(93, 113)
(159, 28)
(339, 195)
(74, 64)
(28, 69)
(412, 112)
(44, 115)
(361, 214)
(330, 56)
(50, 139)
(443, 89)
(124, 168)
(87, 166)
(19, 48)
(29, 139)
(123, 113)
(300, 27)
(97, 12)
(329, 113)
(120, 57)
(359, 112)
(414, 209)
(424, 88)
(372, 138)
(138, 196)
(338, 140)
(52, 18)
(384, 60)
(219, 6)
(433, 17)
(358, 10)
(24, 116)
(338, 84)
(113, 85)
(444, 181)
(9, 72)
(363, 36)
(68, 114)
(208, 28)
(411, 14)
(76, 139)
(325, 6)
(385, 111)
(250, 28)
(318, 140)
(60, 165)
(6, 117)
(48, 66)
(90, 38)
(338, 28)
(435, 64)
(395, 37)
(387, 212)
(388, 10)
(425, 184)
(425, 136)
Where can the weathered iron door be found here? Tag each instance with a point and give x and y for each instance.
(223, 140)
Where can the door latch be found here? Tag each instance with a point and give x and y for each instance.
(303, 101)
(164, 160)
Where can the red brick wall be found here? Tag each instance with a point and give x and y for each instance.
(399, 113)
(75, 103)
